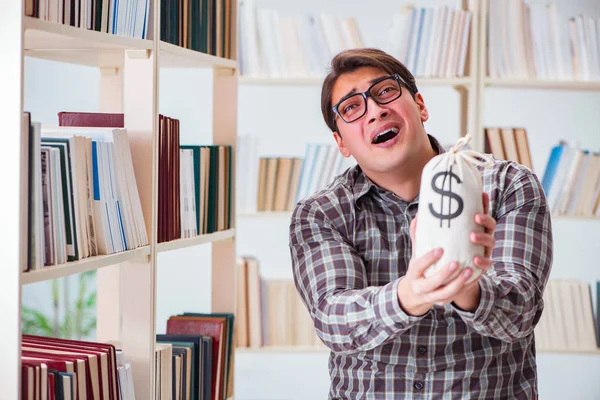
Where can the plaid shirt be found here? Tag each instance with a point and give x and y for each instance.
(350, 246)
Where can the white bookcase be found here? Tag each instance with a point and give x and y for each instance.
(129, 83)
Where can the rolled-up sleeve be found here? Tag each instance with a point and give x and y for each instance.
(511, 291)
(348, 314)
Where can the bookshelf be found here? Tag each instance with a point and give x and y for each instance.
(129, 70)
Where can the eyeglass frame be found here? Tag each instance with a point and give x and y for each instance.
(366, 94)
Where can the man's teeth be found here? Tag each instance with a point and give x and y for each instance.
(387, 132)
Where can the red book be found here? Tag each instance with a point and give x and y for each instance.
(85, 347)
(205, 326)
(91, 120)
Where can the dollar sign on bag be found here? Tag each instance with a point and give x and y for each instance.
(442, 215)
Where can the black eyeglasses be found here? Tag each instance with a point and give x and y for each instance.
(383, 91)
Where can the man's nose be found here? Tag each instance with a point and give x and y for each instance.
(375, 111)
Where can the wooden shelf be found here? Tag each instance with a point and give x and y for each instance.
(172, 56)
(266, 214)
(282, 350)
(543, 84)
(65, 43)
(87, 264)
(575, 217)
(569, 352)
(195, 241)
(304, 81)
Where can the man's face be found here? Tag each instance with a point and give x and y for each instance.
(402, 120)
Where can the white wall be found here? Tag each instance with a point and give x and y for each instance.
(285, 118)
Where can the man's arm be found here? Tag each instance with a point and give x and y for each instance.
(348, 315)
(510, 303)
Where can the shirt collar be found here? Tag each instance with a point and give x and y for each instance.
(362, 184)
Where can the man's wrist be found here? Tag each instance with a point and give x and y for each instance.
(469, 299)
(407, 303)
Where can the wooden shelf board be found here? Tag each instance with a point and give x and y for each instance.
(195, 241)
(543, 84)
(323, 349)
(302, 81)
(569, 352)
(266, 214)
(172, 56)
(575, 217)
(281, 349)
(87, 264)
(65, 43)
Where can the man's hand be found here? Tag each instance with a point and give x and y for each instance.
(468, 299)
(417, 294)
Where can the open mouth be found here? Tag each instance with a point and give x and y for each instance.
(385, 136)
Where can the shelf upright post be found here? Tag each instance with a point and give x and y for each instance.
(13, 202)
(108, 280)
(481, 68)
(138, 279)
(224, 132)
(470, 95)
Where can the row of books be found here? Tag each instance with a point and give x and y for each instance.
(431, 41)
(535, 41)
(271, 44)
(61, 369)
(194, 185)
(208, 26)
(270, 312)
(82, 197)
(119, 17)
(198, 362)
(278, 180)
(508, 143)
(568, 321)
(278, 183)
(571, 180)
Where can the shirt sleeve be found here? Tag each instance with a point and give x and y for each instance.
(348, 314)
(511, 291)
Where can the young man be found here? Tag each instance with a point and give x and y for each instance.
(393, 333)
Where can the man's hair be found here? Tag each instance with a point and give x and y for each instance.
(349, 61)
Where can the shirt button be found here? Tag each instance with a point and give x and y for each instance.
(422, 350)
(418, 385)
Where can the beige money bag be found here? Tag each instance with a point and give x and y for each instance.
(449, 198)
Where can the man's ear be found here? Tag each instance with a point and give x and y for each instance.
(422, 109)
(340, 143)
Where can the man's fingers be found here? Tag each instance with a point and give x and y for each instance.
(419, 265)
(452, 288)
(482, 263)
(486, 202)
(483, 239)
(431, 283)
(413, 229)
(488, 223)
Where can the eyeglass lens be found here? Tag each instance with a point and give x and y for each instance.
(382, 92)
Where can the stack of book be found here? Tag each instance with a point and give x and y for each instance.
(506, 143)
(72, 369)
(529, 41)
(84, 199)
(124, 17)
(270, 312)
(194, 186)
(571, 181)
(432, 42)
(198, 348)
(567, 322)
